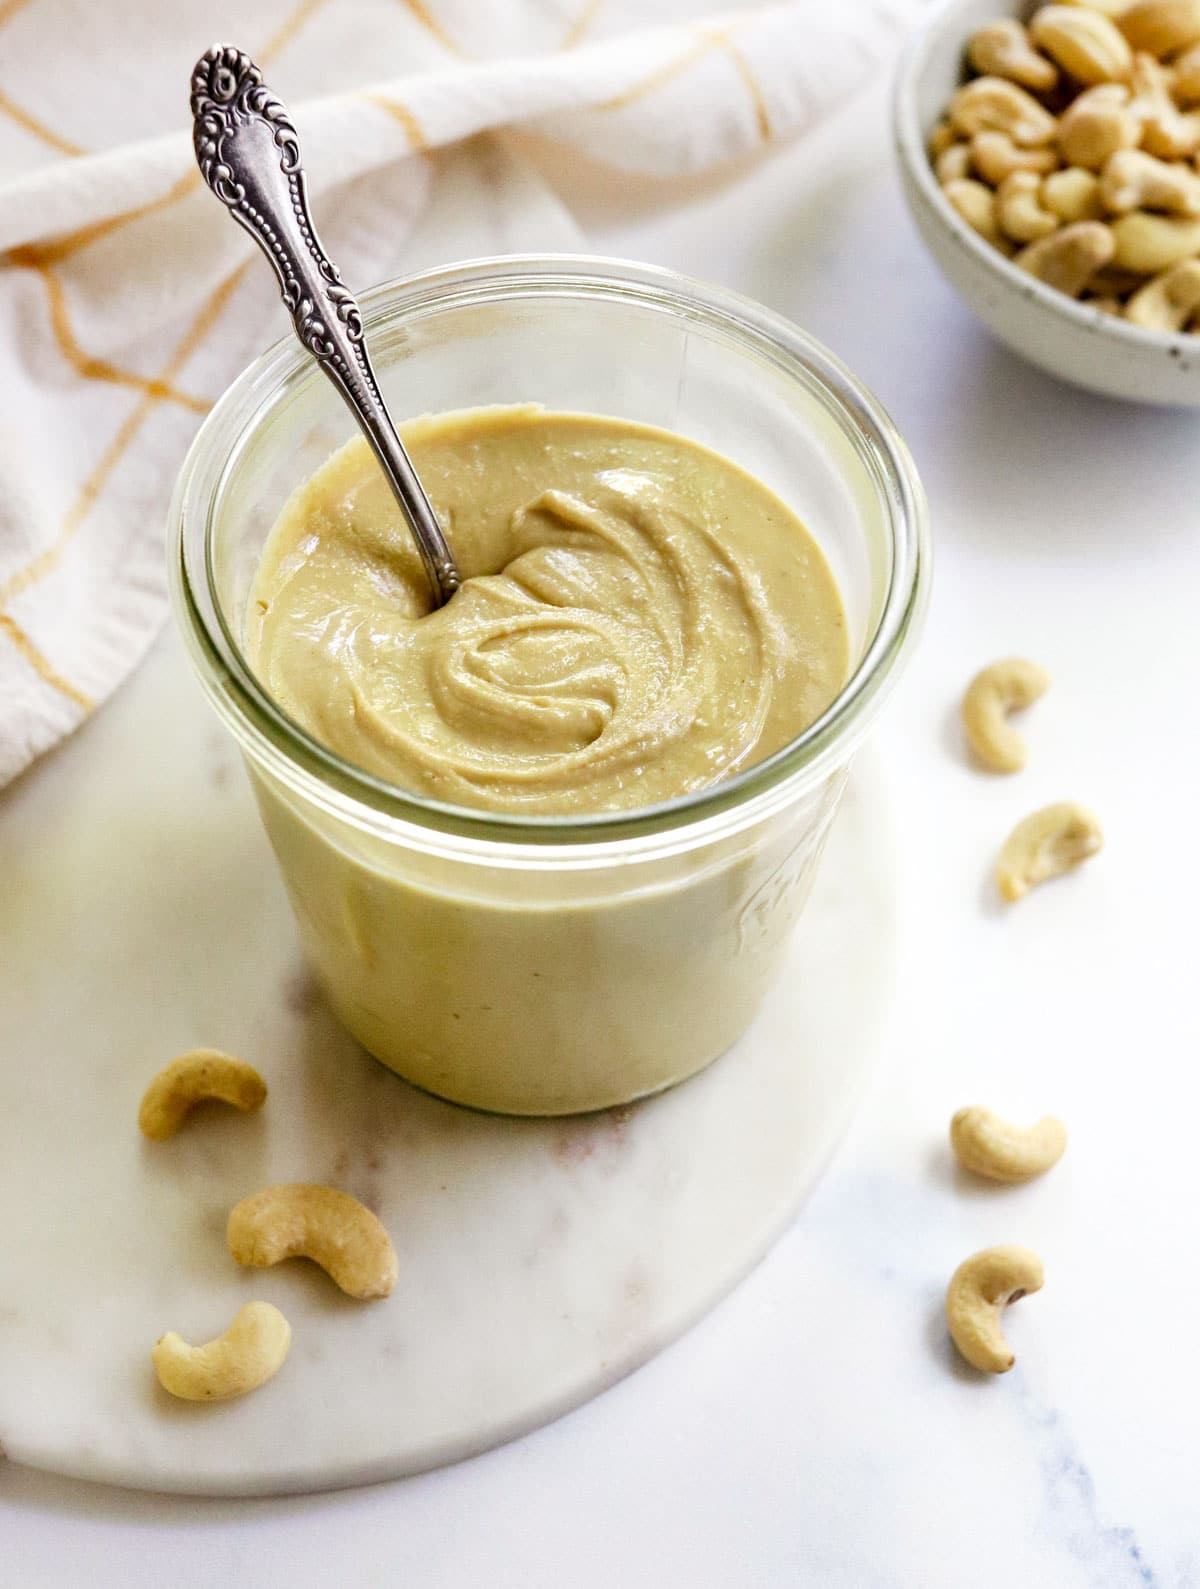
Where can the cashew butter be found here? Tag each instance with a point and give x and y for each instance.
(639, 620)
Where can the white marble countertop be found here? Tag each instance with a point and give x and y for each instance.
(815, 1428)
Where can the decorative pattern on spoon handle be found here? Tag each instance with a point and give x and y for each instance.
(249, 154)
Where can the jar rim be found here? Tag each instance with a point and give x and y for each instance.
(284, 748)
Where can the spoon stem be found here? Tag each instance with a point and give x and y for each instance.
(249, 155)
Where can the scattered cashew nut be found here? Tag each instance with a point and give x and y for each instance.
(1068, 259)
(978, 1289)
(202, 1073)
(994, 104)
(332, 1228)
(987, 1144)
(994, 692)
(1046, 844)
(249, 1353)
(1019, 211)
(1087, 46)
(1002, 49)
(1162, 27)
(1134, 180)
(1168, 301)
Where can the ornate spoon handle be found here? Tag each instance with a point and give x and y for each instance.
(249, 155)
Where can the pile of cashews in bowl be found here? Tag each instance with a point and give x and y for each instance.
(1075, 151)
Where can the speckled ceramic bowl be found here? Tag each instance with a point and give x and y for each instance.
(1069, 339)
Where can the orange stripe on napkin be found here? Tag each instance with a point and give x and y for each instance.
(38, 129)
(581, 24)
(746, 73)
(404, 116)
(98, 479)
(664, 74)
(421, 12)
(12, 629)
(288, 30)
(86, 364)
(60, 248)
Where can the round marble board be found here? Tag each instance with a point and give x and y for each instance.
(539, 1260)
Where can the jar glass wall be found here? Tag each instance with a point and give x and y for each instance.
(551, 964)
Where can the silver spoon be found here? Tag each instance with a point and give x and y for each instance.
(249, 155)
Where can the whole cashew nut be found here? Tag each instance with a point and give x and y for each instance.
(1185, 77)
(940, 139)
(978, 1289)
(1108, 8)
(953, 164)
(987, 1144)
(1146, 243)
(994, 692)
(1173, 134)
(994, 104)
(1163, 27)
(1072, 194)
(332, 1228)
(202, 1073)
(1096, 125)
(1165, 129)
(1113, 283)
(1134, 180)
(976, 204)
(1084, 43)
(1167, 302)
(1044, 845)
(1068, 259)
(1019, 211)
(1002, 49)
(249, 1353)
(995, 156)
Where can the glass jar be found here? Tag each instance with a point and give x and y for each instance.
(547, 965)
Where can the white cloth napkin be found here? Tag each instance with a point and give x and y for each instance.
(128, 299)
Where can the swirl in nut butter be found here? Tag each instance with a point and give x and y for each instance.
(639, 618)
